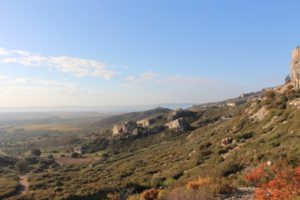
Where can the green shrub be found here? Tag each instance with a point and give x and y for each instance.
(22, 166)
(75, 155)
(168, 182)
(36, 152)
(244, 136)
(231, 168)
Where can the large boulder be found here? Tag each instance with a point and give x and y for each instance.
(124, 128)
(179, 124)
(146, 122)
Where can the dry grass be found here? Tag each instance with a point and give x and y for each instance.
(151, 194)
(202, 188)
(7, 187)
(183, 193)
(200, 182)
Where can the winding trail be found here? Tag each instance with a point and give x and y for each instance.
(24, 185)
(22, 189)
(2, 153)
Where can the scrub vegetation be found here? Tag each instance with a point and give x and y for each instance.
(224, 149)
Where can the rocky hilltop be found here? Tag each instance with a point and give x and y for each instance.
(179, 119)
(295, 67)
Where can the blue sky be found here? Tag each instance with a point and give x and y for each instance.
(136, 52)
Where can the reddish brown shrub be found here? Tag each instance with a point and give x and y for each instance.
(196, 184)
(113, 196)
(257, 176)
(151, 194)
(283, 182)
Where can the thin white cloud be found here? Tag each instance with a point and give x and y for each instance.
(75, 66)
(186, 81)
(3, 78)
(32, 60)
(151, 78)
(3, 52)
(81, 67)
(142, 79)
(38, 82)
(7, 81)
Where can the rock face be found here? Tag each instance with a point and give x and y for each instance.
(124, 128)
(78, 150)
(179, 113)
(178, 124)
(226, 141)
(295, 67)
(231, 104)
(146, 122)
(260, 114)
(296, 103)
(117, 129)
(132, 128)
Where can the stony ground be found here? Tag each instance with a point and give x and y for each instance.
(241, 194)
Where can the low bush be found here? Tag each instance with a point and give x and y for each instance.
(200, 182)
(22, 166)
(151, 194)
(75, 155)
(279, 182)
(244, 136)
(231, 168)
(202, 188)
(168, 182)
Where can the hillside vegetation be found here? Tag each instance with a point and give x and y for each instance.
(209, 160)
(222, 145)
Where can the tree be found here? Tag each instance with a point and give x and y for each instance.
(22, 166)
(36, 152)
(75, 155)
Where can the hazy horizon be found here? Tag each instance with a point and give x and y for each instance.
(100, 109)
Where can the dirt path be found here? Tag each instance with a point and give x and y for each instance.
(22, 189)
(24, 185)
(2, 153)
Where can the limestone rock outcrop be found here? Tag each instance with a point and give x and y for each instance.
(295, 68)
(133, 128)
(178, 124)
(295, 103)
(124, 128)
(179, 113)
(226, 141)
(146, 122)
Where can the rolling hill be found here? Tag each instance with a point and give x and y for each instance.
(224, 141)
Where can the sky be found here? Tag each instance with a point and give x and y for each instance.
(141, 52)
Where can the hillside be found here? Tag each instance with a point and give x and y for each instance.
(108, 123)
(222, 141)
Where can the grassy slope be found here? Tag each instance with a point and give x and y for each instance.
(169, 158)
